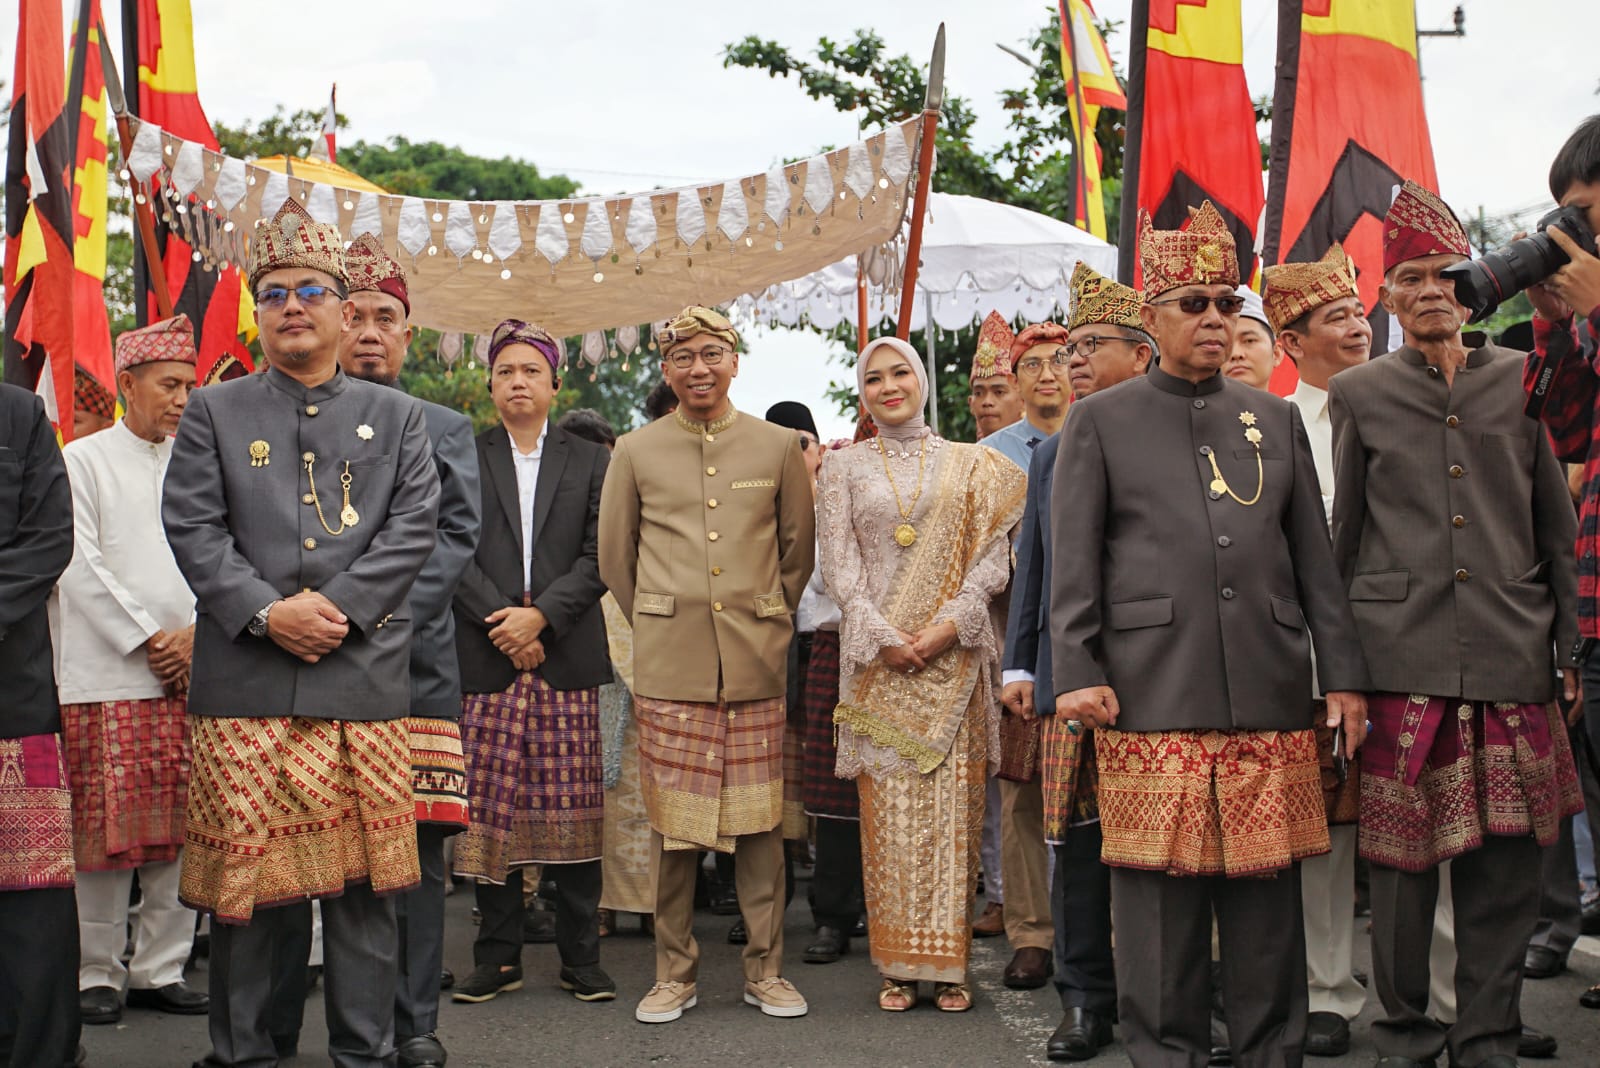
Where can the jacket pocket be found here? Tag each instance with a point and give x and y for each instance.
(1288, 613)
(1146, 612)
(1539, 573)
(770, 604)
(1380, 586)
(654, 604)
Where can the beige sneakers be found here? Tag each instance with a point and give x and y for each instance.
(775, 996)
(666, 1002)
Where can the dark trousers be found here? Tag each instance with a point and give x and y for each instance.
(359, 968)
(288, 989)
(419, 914)
(499, 938)
(39, 1023)
(1496, 892)
(1163, 955)
(1560, 904)
(837, 899)
(1080, 907)
(723, 863)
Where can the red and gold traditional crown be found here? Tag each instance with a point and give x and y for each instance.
(1202, 254)
(1098, 299)
(88, 395)
(993, 355)
(1292, 289)
(1420, 224)
(170, 339)
(370, 267)
(294, 239)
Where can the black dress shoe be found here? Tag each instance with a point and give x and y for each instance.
(1542, 962)
(588, 983)
(738, 934)
(827, 946)
(422, 1051)
(447, 979)
(1535, 1044)
(175, 999)
(1080, 1036)
(860, 929)
(1591, 919)
(1590, 999)
(724, 900)
(1029, 969)
(539, 927)
(1221, 1057)
(100, 1005)
(487, 982)
(1327, 1035)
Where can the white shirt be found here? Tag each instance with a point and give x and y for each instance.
(123, 584)
(1313, 405)
(527, 465)
(817, 610)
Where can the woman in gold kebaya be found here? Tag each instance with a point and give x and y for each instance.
(914, 538)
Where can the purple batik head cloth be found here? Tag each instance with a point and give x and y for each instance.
(517, 332)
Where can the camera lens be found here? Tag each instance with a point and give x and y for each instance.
(1482, 284)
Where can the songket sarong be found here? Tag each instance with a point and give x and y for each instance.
(1071, 778)
(438, 772)
(283, 809)
(796, 828)
(920, 840)
(1341, 799)
(625, 867)
(35, 814)
(1232, 803)
(1439, 774)
(535, 779)
(824, 793)
(711, 771)
(129, 766)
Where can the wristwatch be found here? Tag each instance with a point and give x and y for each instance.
(258, 622)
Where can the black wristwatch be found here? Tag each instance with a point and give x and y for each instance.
(258, 622)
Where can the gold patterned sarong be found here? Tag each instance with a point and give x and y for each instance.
(711, 772)
(282, 809)
(1231, 803)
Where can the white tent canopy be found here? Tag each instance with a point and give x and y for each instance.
(977, 256)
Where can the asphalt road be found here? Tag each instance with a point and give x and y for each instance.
(541, 1025)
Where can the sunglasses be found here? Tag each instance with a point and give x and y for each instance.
(1195, 304)
(308, 296)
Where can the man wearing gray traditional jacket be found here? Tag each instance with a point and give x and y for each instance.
(300, 506)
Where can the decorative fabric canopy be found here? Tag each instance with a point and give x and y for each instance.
(575, 265)
(977, 256)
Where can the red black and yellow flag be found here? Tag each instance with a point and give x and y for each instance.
(1348, 127)
(86, 103)
(38, 268)
(158, 65)
(1091, 84)
(1191, 126)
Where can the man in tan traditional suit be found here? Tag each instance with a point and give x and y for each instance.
(707, 540)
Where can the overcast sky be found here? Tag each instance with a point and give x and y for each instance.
(626, 95)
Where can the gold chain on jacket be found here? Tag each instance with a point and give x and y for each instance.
(348, 517)
(1220, 484)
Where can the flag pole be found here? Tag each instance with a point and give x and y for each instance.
(1128, 225)
(143, 218)
(932, 102)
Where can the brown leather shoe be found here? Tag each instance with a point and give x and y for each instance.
(990, 922)
(1029, 969)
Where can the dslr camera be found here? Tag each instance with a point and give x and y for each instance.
(1483, 283)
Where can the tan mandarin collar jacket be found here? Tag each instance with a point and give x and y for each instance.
(707, 537)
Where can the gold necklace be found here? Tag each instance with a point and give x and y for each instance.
(348, 517)
(905, 535)
(1220, 484)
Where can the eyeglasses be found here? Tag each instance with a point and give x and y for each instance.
(1087, 346)
(1034, 364)
(1195, 304)
(309, 296)
(806, 441)
(685, 360)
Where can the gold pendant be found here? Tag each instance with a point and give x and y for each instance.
(905, 535)
(260, 453)
(1218, 486)
(349, 517)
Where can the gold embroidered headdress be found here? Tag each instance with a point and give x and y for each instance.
(371, 268)
(294, 239)
(1098, 299)
(993, 355)
(1202, 254)
(1420, 224)
(1292, 289)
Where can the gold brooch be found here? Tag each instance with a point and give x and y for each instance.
(1220, 484)
(364, 432)
(260, 453)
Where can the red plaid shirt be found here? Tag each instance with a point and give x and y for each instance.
(1572, 417)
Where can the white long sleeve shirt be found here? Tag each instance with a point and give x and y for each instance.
(123, 584)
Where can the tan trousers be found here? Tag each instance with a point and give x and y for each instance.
(1026, 861)
(758, 879)
(1328, 896)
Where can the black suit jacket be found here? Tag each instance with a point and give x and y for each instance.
(35, 547)
(1028, 621)
(565, 580)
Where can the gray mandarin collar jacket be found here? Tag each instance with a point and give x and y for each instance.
(245, 533)
(1196, 610)
(1453, 527)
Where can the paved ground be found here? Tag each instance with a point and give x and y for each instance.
(540, 1024)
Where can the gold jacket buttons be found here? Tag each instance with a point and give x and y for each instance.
(712, 536)
(1462, 574)
(1456, 471)
(311, 409)
(712, 503)
(716, 571)
(310, 543)
(1458, 521)
(306, 498)
(307, 457)
(1452, 421)
(710, 438)
(711, 470)
(716, 606)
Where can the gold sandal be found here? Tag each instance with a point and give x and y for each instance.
(952, 997)
(892, 989)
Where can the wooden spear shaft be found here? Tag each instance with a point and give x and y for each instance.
(919, 204)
